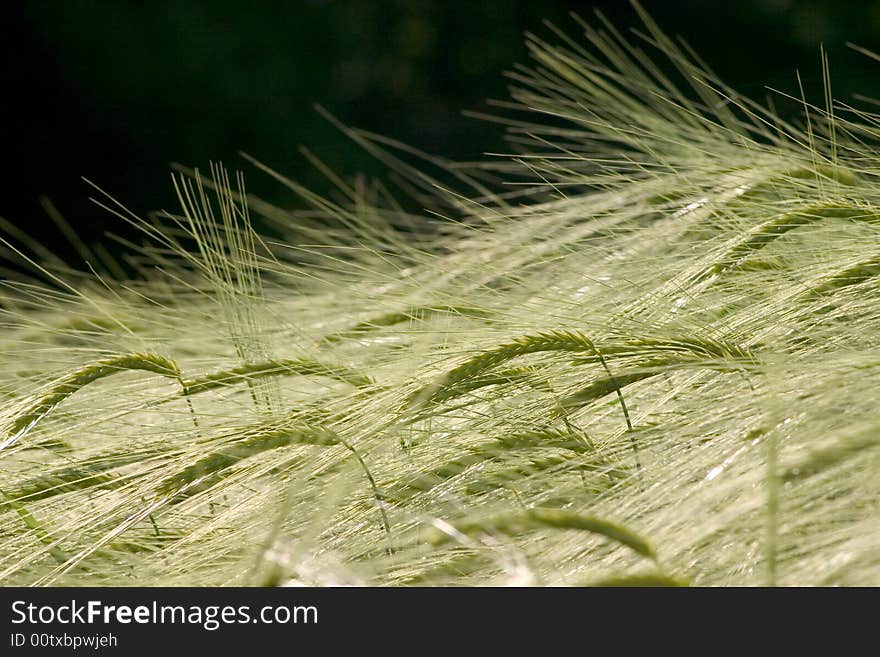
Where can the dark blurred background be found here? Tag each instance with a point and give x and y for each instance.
(114, 91)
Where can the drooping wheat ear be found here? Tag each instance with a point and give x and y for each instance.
(448, 385)
(788, 178)
(854, 274)
(512, 524)
(38, 530)
(771, 230)
(461, 379)
(855, 442)
(419, 313)
(209, 470)
(682, 351)
(525, 375)
(644, 370)
(77, 477)
(286, 367)
(74, 381)
(574, 446)
(445, 386)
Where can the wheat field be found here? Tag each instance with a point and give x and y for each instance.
(639, 345)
